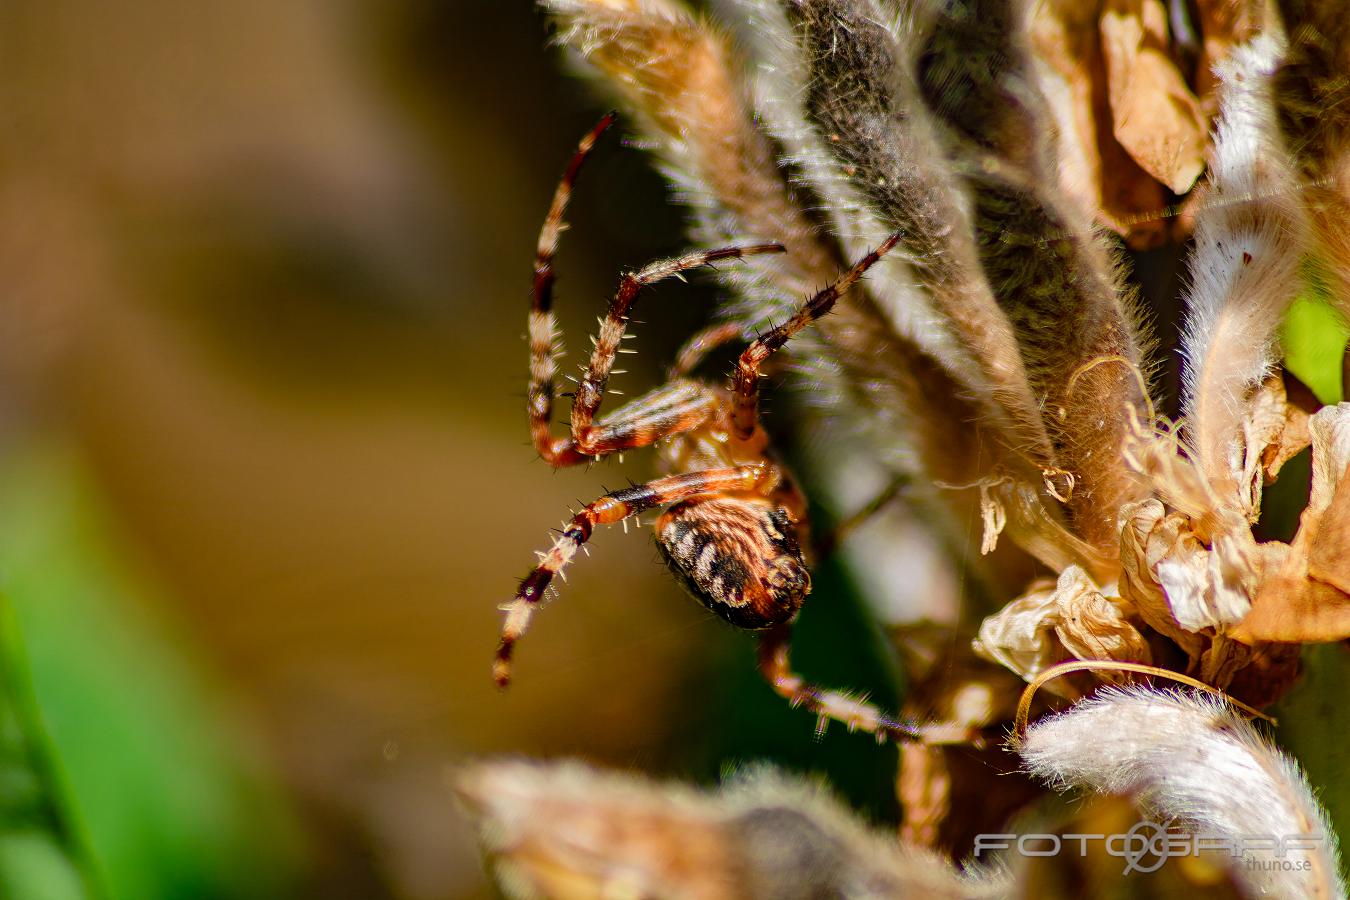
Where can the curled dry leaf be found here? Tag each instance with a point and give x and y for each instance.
(1210, 588)
(1115, 76)
(1283, 441)
(1307, 597)
(1148, 535)
(1154, 115)
(1070, 620)
(1066, 42)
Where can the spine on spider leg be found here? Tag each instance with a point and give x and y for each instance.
(1312, 98)
(745, 380)
(1250, 236)
(1040, 254)
(869, 153)
(591, 390)
(1188, 758)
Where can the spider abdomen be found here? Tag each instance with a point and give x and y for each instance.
(738, 556)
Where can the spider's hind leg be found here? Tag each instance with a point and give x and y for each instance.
(609, 509)
(776, 667)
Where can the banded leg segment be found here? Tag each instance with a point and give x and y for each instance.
(609, 509)
(545, 342)
(776, 667)
(701, 344)
(591, 390)
(745, 380)
(673, 408)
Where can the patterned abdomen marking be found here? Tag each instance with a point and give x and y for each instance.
(738, 556)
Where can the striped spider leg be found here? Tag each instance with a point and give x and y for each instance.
(732, 515)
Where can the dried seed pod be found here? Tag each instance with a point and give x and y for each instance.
(570, 830)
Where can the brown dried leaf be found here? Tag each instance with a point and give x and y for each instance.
(1021, 636)
(1154, 114)
(1305, 598)
(1092, 626)
(1066, 42)
(1294, 435)
(1292, 607)
(1211, 588)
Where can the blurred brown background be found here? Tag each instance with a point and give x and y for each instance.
(263, 275)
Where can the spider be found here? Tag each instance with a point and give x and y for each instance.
(733, 531)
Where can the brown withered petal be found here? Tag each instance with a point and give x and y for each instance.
(1021, 636)
(1065, 39)
(1305, 598)
(1207, 588)
(1147, 535)
(1297, 404)
(1071, 620)
(1154, 114)
(1092, 626)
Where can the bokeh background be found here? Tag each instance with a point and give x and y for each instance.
(264, 475)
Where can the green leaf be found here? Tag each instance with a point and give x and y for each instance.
(1314, 338)
(171, 801)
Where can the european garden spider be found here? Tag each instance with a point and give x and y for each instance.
(734, 528)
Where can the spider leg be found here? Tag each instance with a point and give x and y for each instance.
(673, 408)
(588, 439)
(609, 509)
(698, 346)
(776, 668)
(545, 341)
(745, 380)
(591, 390)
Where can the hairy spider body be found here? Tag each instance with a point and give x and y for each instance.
(739, 556)
(734, 526)
(738, 553)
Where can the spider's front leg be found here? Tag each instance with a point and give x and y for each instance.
(745, 380)
(609, 509)
(590, 439)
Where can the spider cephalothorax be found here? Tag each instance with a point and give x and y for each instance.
(734, 528)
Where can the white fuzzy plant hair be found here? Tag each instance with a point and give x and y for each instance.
(1188, 758)
(1250, 237)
